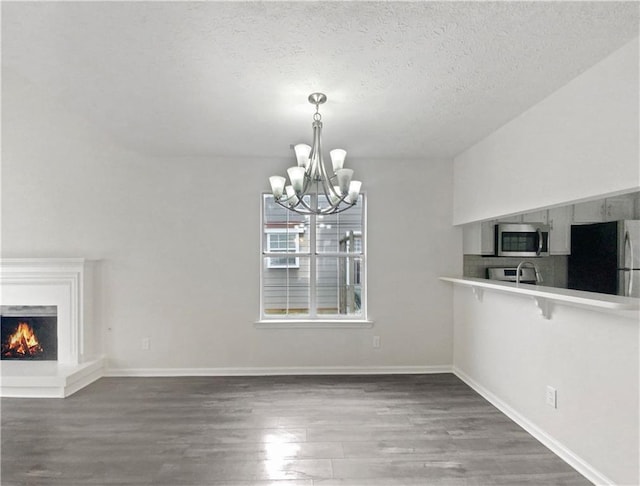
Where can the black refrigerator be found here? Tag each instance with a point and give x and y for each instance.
(605, 258)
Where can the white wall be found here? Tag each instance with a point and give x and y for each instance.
(178, 244)
(580, 142)
(590, 357)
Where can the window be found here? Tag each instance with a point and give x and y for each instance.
(282, 242)
(313, 267)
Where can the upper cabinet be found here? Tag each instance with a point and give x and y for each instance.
(619, 208)
(589, 212)
(536, 217)
(560, 230)
(478, 238)
(610, 209)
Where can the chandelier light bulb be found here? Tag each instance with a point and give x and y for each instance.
(302, 151)
(296, 176)
(354, 191)
(311, 190)
(344, 179)
(277, 186)
(337, 158)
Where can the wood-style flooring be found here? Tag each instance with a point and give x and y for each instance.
(284, 431)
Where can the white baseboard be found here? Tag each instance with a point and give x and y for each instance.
(568, 456)
(275, 371)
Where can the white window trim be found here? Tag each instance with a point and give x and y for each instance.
(280, 323)
(314, 319)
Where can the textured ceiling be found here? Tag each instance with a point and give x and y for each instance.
(415, 79)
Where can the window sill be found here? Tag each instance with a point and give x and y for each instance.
(313, 324)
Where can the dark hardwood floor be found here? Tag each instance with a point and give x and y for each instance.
(285, 431)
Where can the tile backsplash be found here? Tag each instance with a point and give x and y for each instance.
(552, 268)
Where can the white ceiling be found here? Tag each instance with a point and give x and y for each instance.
(231, 79)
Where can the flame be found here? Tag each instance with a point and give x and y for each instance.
(23, 342)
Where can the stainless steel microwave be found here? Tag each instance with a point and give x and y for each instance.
(522, 239)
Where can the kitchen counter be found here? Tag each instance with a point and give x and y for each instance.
(545, 296)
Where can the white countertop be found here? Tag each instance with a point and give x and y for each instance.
(575, 297)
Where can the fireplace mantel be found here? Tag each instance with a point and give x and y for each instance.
(67, 283)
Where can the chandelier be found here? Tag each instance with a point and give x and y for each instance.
(310, 189)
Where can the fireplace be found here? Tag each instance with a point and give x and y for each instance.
(29, 333)
(53, 299)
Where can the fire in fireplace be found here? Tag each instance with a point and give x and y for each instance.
(28, 332)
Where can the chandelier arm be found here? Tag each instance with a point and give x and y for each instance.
(300, 202)
(332, 205)
(295, 209)
(327, 186)
(329, 191)
(307, 183)
(290, 208)
(337, 201)
(308, 211)
(337, 209)
(343, 209)
(316, 162)
(304, 204)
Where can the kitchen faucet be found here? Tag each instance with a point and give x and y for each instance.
(535, 269)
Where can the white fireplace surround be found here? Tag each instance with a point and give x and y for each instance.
(68, 284)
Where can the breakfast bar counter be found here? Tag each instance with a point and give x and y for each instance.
(544, 296)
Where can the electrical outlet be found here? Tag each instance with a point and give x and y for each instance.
(376, 341)
(146, 343)
(552, 397)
